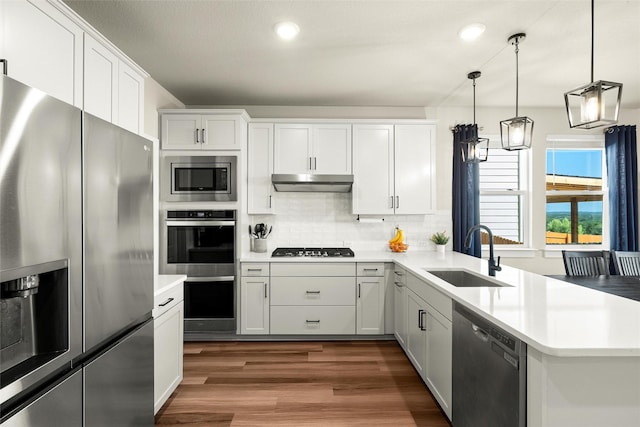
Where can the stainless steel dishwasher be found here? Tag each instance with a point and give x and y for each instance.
(489, 373)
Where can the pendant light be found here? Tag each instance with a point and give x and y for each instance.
(516, 133)
(595, 104)
(475, 149)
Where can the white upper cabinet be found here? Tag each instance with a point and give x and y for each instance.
(373, 169)
(211, 131)
(312, 149)
(100, 80)
(47, 46)
(43, 48)
(113, 90)
(393, 169)
(260, 168)
(414, 169)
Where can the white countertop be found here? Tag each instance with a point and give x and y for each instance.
(555, 317)
(164, 282)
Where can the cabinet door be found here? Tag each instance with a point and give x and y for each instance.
(254, 305)
(414, 169)
(130, 99)
(260, 168)
(168, 340)
(438, 363)
(400, 313)
(292, 149)
(43, 48)
(221, 132)
(373, 169)
(370, 306)
(331, 149)
(416, 332)
(100, 80)
(181, 132)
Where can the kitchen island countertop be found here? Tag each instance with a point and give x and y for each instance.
(163, 282)
(555, 317)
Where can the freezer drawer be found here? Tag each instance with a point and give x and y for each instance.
(59, 406)
(118, 384)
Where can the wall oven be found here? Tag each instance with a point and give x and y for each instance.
(202, 245)
(199, 178)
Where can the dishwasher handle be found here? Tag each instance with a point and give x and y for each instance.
(481, 334)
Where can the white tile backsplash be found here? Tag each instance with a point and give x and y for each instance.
(325, 219)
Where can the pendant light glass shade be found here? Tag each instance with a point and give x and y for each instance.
(475, 149)
(516, 133)
(595, 104)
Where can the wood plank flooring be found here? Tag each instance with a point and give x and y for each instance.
(341, 383)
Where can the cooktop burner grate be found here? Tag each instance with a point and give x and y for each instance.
(313, 252)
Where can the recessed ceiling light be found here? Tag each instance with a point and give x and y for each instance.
(287, 30)
(471, 31)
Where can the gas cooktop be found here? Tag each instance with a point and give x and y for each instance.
(313, 252)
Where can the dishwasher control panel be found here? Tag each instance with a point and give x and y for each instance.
(503, 338)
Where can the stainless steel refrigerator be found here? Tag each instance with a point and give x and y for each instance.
(76, 267)
(118, 275)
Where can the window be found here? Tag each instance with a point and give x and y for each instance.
(576, 191)
(505, 195)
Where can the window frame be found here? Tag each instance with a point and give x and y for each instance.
(524, 250)
(577, 142)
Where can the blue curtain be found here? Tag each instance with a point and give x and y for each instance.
(622, 174)
(466, 193)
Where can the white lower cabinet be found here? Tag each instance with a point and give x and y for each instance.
(255, 297)
(399, 306)
(370, 291)
(254, 305)
(168, 338)
(429, 337)
(313, 320)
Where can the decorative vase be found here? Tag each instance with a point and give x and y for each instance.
(440, 249)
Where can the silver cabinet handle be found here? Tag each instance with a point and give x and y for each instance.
(398, 284)
(391, 206)
(166, 302)
(270, 201)
(313, 292)
(315, 163)
(421, 320)
(397, 202)
(312, 321)
(265, 289)
(370, 269)
(203, 136)
(254, 269)
(197, 140)
(398, 273)
(5, 67)
(359, 290)
(310, 166)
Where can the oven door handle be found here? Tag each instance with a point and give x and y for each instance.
(211, 279)
(199, 223)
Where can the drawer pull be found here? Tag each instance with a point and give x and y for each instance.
(398, 273)
(398, 284)
(312, 321)
(370, 269)
(313, 292)
(254, 269)
(265, 290)
(166, 302)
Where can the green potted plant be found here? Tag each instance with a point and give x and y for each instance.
(440, 239)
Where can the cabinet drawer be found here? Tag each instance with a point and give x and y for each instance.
(427, 292)
(167, 300)
(399, 276)
(326, 269)
(254, 269)
(313, 291)
(325, 320)
(370, 269)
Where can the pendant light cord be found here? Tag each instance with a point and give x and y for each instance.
(474, 101)
(592, 37)
(517, 50)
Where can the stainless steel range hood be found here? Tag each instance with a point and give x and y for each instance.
(312, 183)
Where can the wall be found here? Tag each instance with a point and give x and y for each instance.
(155, 98)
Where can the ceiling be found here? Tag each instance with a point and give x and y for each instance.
(373, 52)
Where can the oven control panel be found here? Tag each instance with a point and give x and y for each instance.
(201, 214)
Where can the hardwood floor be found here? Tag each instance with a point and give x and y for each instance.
(341, 383)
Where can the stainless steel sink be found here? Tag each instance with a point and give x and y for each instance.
(464, 279)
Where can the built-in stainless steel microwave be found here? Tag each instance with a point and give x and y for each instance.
(199, 178)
